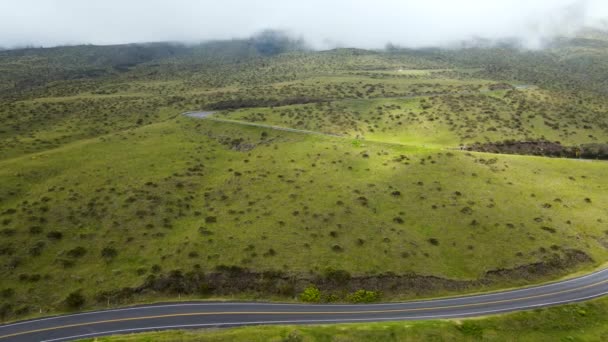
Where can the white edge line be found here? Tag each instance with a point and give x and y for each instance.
(475, 313)
(307, 305)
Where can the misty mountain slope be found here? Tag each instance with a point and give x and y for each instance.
(69, 109)
(29, 69)
(110, 193)
(570, 64)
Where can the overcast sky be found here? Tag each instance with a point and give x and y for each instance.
(324, 23)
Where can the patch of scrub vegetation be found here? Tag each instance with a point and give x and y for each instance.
(455, 116)
(574, 322)
(544, 148)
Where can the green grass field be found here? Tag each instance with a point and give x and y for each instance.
(108, 191)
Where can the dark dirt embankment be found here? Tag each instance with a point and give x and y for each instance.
(543, 148)
(231, 280)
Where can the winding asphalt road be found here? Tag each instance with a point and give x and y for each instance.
(223, 314)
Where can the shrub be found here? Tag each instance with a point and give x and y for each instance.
(294, 336)
(204, 231)
(8, 232)
(55, 235)
(77, 252)
(340, 277)
(7, 293)
(35, 230)
(434, 242)
(13, 263)
(330, 298)
(466, 210)
(22, 310)
(66, 263)
(471, 329)
(6, 310)
(363, 296)
(310, 295)
(109, 253)
(36, 249)
(549, 229)
(7, 249)
(270, 252)
(75, 300)
(205, 289)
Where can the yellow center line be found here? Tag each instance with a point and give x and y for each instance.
(300, 312)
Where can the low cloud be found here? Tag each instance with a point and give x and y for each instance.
(325, 24)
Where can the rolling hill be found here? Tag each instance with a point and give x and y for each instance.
(111, 196)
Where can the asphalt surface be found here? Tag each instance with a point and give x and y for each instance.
(224, 314)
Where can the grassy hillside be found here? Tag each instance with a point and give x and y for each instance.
(461, 117)
(111, 195)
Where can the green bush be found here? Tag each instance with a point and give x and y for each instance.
(6, 310)
(330, 298)
(77, 252)
(109, 253)
(469, 328)
(311, 295)
(75, 300)
(54, 235)
(339, 277)
(293, 336)
(364, 296)
(7, 293)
